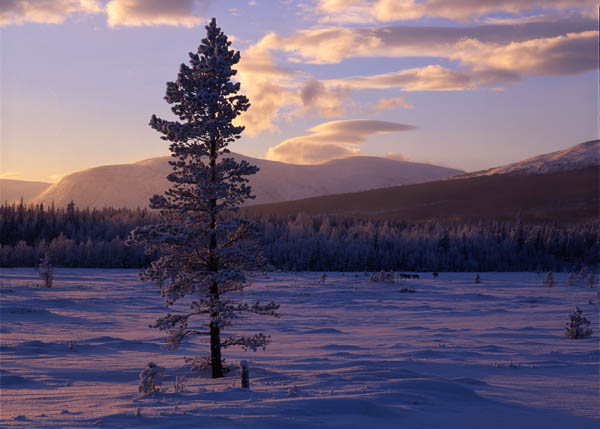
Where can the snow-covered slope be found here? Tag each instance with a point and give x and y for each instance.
(579, 156)
(13, 190)
(347, 353)
(131, 185)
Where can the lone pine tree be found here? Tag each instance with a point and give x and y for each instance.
(204, 246)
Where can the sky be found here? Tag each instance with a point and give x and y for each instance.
(469, 84)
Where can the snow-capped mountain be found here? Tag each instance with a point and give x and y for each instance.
(131, 185)
(582, 155)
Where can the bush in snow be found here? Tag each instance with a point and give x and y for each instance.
(150, 379)
(591, 280)
(549, 280)
(571, 279)
(178, 384)
(205, 247)
(577, 326)
(382, 276)
(46, 270)
(582, 273)
(323, 278)
(477, 279)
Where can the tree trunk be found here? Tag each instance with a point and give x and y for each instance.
(215, 331)
(215, 351)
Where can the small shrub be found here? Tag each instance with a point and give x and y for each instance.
(382, 276)
(591, 280)
(150, 379)
(549, 280)
(577, 326)
(46, 270)
(477, 279)
(582, 273)
(178, 384)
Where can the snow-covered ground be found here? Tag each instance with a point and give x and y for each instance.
(347, 353)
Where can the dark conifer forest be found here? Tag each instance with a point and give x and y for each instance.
(76, 237)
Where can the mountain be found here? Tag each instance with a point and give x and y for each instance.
(565, 196)
(131, 185)
(562, 186)
(13, 190)
(582, 155)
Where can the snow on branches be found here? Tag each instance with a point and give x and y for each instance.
(205, 248)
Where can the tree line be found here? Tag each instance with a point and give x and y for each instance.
(77, 237)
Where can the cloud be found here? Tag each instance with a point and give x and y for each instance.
(331, 140)
(44, 11)
(331, 45)
(269, 87)
(390, 103)
(361, 11)
(463, 10)
(485, 55)
(429, 78)
(136, 13)
(561, 55)
(276, 92)
(328, 102)
(397, 156)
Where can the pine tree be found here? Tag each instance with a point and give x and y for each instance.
(205, 247)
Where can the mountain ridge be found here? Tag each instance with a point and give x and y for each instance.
(131, 185)
(12, 190)
(586, 154)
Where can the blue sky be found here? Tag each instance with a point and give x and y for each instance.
(469, 84)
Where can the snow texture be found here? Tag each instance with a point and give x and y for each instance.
(582, 155)
(347, 353)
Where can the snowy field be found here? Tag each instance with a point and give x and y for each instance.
(349, 353)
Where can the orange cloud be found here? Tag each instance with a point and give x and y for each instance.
(361, 11)
(136, 13)
(429, 78)
(390, 103)
(331, 140)
(44, 11)
(565, 54)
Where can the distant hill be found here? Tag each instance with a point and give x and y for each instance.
(565, 196)
(131, 185)
(582, 155)
(13, 190)
(562, 186)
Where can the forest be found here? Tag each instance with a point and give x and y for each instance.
(75, 237)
